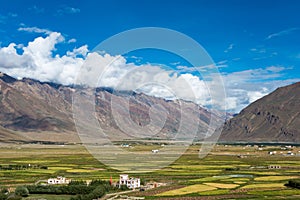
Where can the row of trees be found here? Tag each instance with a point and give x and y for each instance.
(96, 189)
(294, 183)
(20, 192)
(21, 167)
(73, 188)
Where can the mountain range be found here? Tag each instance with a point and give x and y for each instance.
(31, 110)
(34, 111)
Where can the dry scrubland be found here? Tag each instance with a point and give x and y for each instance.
(229, 171)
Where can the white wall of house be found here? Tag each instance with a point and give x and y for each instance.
(58, 180)
(131, 183)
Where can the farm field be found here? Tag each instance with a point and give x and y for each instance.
(229, 171)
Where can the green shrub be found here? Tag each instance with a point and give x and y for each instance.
(3, 196)
(293, 183)
(4, 190)
(22, 191)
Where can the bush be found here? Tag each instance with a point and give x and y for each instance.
(77, 183)
(96, 193)
(294, 184)
(124, 187)
(22, 191)
(4, 190)
(64, 189)
(3, 196)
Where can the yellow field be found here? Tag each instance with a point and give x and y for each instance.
(240, 182)
(188, 176)
(35, 161)
(216, 166)
(275, 178)
(222, 185)
(264, 185)
(210, 179)
(188, 190)
(260, 173)
(80, 170)
(59, 168)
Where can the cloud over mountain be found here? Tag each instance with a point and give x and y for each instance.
(38, 60)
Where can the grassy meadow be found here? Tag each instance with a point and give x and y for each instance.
(229, 171)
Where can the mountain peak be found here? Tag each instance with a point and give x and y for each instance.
(6, 78)
(273, 118)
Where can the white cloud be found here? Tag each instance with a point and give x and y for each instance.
(229, 48)
(175, 63)
(34, 30)
(39, 61)
(222, 62)
(281, 33)
(254, 95)
(73, 40)
(67, 10)
(276, 68)
(245, 87)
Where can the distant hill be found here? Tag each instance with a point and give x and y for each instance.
(273, 118)
(31, 110)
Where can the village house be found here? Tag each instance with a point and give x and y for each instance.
(272, 152)
(274, 167)
(155, 151)
(58, 180)
(289, 153)
(131, 183)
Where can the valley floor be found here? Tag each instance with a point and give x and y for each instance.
(228, 172)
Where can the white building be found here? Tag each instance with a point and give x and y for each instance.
(155, 151)
(131, 182)
(58, 180)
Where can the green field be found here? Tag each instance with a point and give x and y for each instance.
(223, 173)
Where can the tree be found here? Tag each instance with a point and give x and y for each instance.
(22, 191)
(3, 196)
(4, 190)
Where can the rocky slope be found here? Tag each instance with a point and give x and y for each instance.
(273, 118)
(34, 111)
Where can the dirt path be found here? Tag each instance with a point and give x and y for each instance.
(114, 195)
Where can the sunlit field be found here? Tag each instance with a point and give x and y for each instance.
(229, 171)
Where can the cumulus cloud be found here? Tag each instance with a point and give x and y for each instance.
(115, 72)
(254, 95)
(245, 87)
(39, 61)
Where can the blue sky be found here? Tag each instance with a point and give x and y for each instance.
(254, 40)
